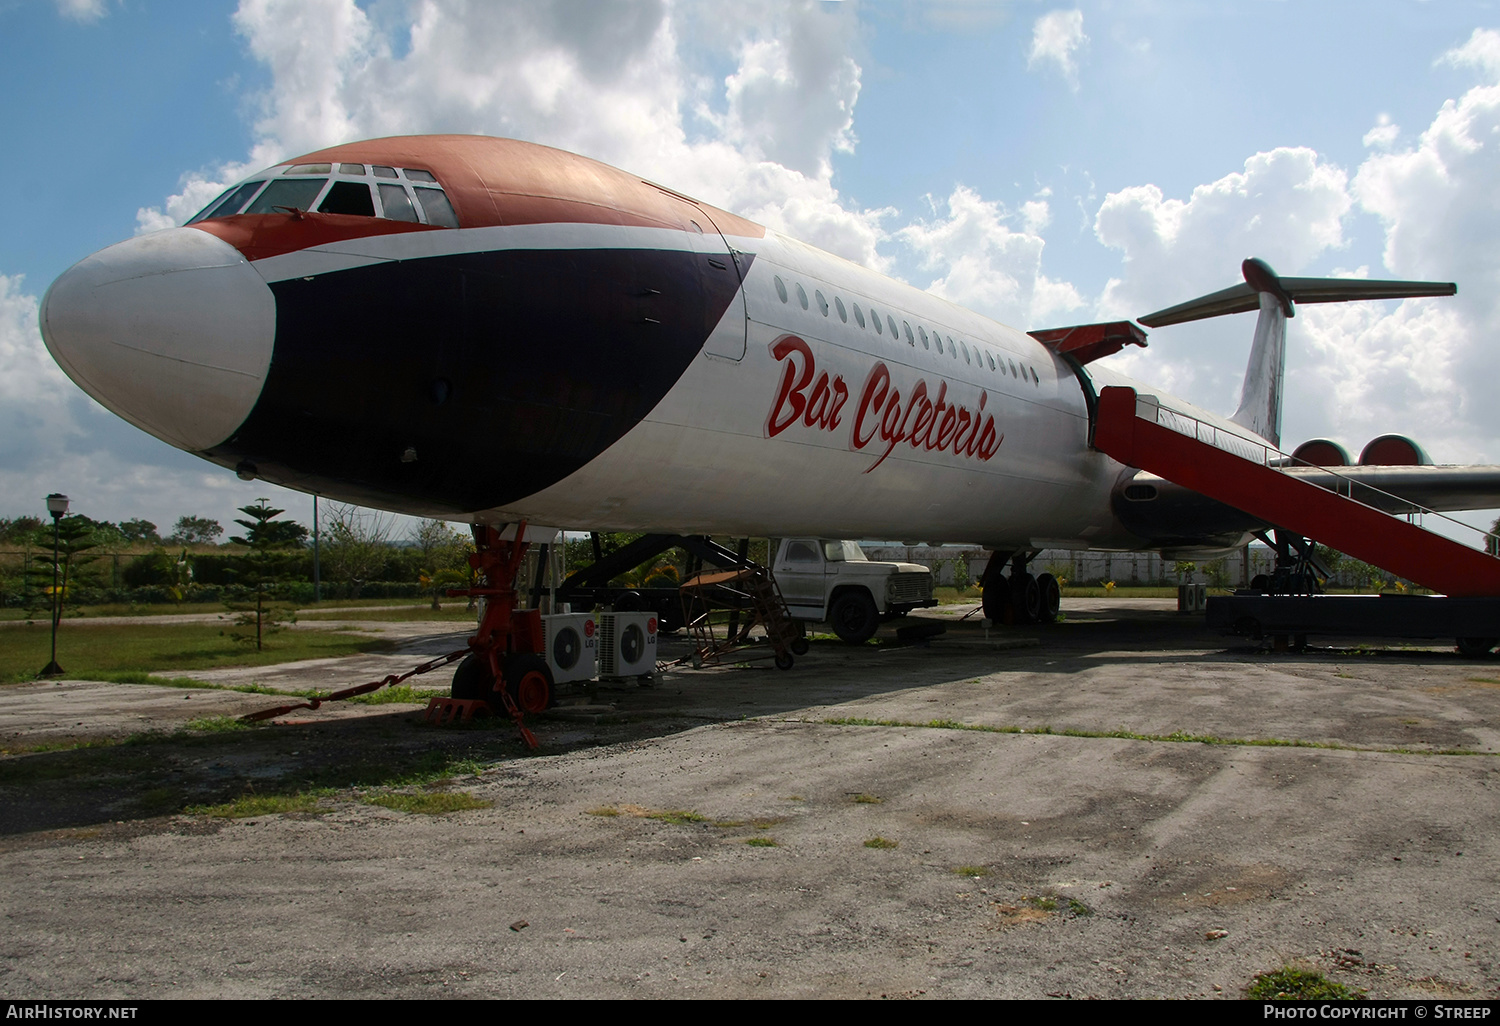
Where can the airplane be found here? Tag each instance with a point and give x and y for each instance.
(498, 332)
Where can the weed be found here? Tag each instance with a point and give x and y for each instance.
(975, 871)
(431, 803)
(1078, 908)
(403, 693)
(881, 842)
(762, 842)
(866, 799)
(1178, 736)
(216, 725)
(159, 800)
(1291, 984)
(249, 805)
(678, 816)
(603, 810)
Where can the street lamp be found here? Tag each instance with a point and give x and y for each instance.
(57, 505)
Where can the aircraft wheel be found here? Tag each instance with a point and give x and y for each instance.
(854, 617)
(1026, 597)
(996, 597)
(1260, 583)
(1051, 594)
(784, 661)
(472, 679)
(630, 602)
(799, 646)
(1475, 648)
(529, 682)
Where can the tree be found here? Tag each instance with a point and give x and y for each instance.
(75, 536)
(196, 531)
(267, 564)
(443, 558)
(20, 530)
(140, 531)
(357, 545)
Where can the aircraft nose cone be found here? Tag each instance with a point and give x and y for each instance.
(173, 331)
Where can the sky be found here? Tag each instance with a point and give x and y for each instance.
(1042, 164)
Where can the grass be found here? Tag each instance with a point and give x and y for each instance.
(372, 609)
(431, 803)
(974, 871)
(866, 799)
(400, 694)
(1292, 984)
(881, 842)
(1178, 737)
(250, 805)
(88, 651)
(762, 842)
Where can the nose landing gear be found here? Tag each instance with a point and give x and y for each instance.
(1019, 598)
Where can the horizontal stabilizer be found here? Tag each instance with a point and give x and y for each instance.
(1260, 278)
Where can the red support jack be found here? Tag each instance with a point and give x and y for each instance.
(506, 665)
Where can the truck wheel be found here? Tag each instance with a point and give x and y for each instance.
(1051, 594)
(1475, 648)
(854, 617)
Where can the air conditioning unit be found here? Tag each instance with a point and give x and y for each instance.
(627, 645)
(572, 645)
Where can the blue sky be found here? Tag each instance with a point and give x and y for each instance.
(1045, 164)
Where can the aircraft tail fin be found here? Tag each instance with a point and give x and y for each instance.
(1275, 296)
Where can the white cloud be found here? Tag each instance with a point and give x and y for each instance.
(1481, 51)
(986, 264)
(616, 85)
(1383, 135)
(1286, 207)
(83, 11)
(1056, 37)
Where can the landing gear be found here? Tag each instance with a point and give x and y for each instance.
(473, 681)
(528, 681)
(1019, 598)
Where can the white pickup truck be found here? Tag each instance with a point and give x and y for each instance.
(822, 579)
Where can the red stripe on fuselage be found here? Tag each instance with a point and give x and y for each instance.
(258, 236)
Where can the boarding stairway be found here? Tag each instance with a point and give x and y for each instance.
(1248, 474)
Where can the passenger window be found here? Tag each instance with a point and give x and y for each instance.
(938, 341)
(437, 208)
(348, 198)
(1013, 372)
(875, 316)
(891, 323)
(965, 349)
(802, 295)
(295, 194)
(859, 316)
(990, 357)
(843, 314)
(352, 169)
(309, 169)
(383, 172)
(909, 340)
(922, 334)
(822, 303)
(781, 288)
(396, 204)
(1034, 379)
(417, 176)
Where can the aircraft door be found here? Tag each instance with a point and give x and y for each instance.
(721, 266)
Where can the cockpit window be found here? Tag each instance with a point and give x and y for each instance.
(383, 172)
(418, 176)
(351, 169)
(297, 193)
(396, 203)
(348, 198)
(309, 169)
(229, 202)
(437, 208)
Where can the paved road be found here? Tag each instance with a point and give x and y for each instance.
(1091, 865)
